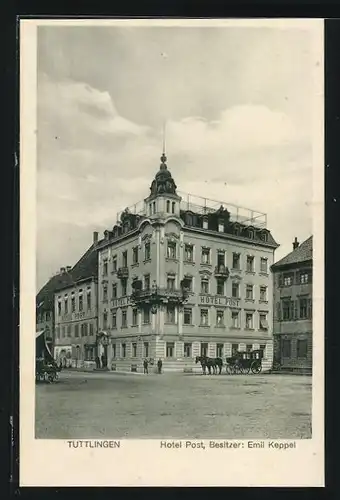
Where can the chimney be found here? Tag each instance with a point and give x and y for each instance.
(95, 237)
(295, 244)
(68, 268)
(62, 270)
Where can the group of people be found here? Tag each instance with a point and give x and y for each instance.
(146, 366)
(101, 362)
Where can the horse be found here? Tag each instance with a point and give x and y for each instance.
(210, 363)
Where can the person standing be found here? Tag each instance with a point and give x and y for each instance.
(145, 365)
(159, 365)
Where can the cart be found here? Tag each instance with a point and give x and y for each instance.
(244, 362)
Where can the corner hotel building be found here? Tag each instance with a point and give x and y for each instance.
(182, 276)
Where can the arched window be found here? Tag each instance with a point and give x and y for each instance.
(173, 207)
(168, 206)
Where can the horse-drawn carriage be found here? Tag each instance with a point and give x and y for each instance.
(46, 368)
(242, 362)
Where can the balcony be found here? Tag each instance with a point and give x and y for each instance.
(123, 272)
(221, 271)
(156, 296)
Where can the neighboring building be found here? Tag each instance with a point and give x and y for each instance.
(76, 313)
(45, 319)
(293, 299)
(181, 277)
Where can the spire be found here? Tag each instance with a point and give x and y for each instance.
(163, 157)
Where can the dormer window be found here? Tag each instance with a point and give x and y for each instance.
(250, 233)
(168, 206)
(173, 207)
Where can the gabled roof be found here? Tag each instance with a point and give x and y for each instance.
(86, 267)
(303, 253)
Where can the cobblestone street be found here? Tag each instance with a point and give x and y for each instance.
(107, 405)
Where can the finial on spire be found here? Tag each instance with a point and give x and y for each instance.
(163, 157)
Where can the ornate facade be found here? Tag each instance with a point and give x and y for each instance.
(178, 280)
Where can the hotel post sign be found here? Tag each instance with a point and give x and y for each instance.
(219, 300)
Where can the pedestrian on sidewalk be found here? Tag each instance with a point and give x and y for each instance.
(145, 365)
(159, 365)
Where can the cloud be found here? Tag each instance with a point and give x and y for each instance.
(93, 162)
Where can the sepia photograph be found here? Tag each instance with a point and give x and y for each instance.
(172, 233)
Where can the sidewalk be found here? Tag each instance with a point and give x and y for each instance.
(104, 372)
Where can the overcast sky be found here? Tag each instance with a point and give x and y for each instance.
(238, 107)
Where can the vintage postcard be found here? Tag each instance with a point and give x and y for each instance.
(172, 220)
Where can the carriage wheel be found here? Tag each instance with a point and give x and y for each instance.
(256, 367)
(51, 377)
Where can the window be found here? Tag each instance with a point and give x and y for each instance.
(69, 330)
(304, 278)
(250, 264)
(125, 259)
(189, 253)
(263, 349)
(147, 282)
(234, 349)
(105, 267)
(170, 349)
(59, 308)
(264, 265)
(82, 330)
(170, 283)
(171, 250)
(85, 329)
(114, 290)
(236, 261)
(146, 316)
(134, 349)
(263, 321)
(114, 264)
(57, 332)
(249, 321)
(219, 350)
(187, 318)
(105, 293)
(66, 305)
(204, 317)
(187, 350)
(91, 329)
(205, 257)
(303, 309)
(173, 207)
(287, 280)
(63, 331)
(286, 310)
(147, 251)
(114, 320)
(249, 347)
(80, 302)
(146, 349)
(76, 330)
(220, 317)
(249, 292)
(134, 317)
(204, 349)
(123, 350)
(170, 314)
(235, 319)
(220, 287)
(263, 293)
(220, 259)
(114, 350)
(105, 320)
(73, 303)
(88, 297)
(286, 348)
(154, 207)
(235, 290)
(301, 348)
(124, 287)
(124, 320)
(204, 285)
(168, 206)
(135, 255)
